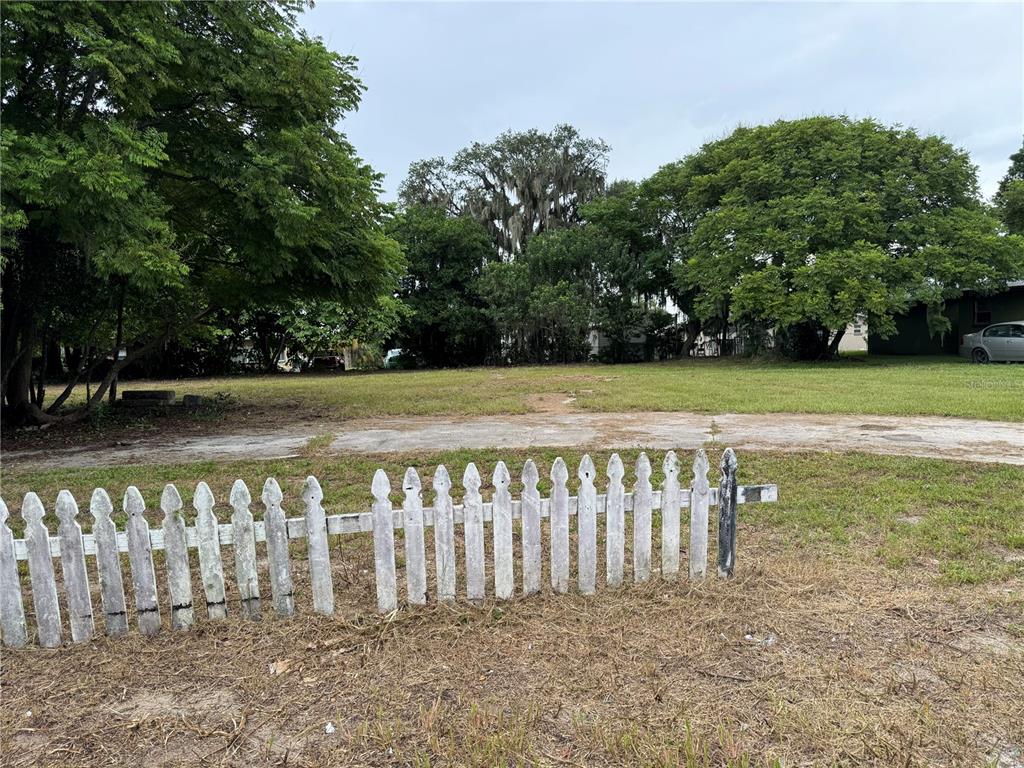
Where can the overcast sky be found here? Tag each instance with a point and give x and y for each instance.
(657, 80)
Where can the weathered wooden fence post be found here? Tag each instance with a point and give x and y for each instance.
(211, 567)
(586, 522)
(670, 505)
(473, 528)
(72, 561)
(40, 571)
(316, 541)
(642, 503)
(281, 588)
(108, 564)
(384, 544)
(559, 527)
(444, 536)
(179, 574)
(700, 503)
(415, 549)
(615, 523)
(140, 557)
(531, 529)
(12, 609)
(504, 578)
(243, 539)
(727, 515)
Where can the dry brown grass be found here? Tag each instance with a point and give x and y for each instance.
(802, 660)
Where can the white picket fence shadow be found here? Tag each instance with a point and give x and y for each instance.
(207, 536)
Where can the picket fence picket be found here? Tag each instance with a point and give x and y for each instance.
(670, 517)
(444, 536)
(244, 535)
(274, 524)
(40, 572)
(531, 529)
(615, 522)
(700, 500)
(586, 525)
(12, 607)
(415, 550)
(244, 545)
(108, 565)
(179, 574)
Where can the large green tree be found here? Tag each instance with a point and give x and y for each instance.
(803, 225)
(1010, 195)
(445, 324)
(165, 160)
(517, 186)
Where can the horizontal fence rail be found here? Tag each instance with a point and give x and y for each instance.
(480, 522)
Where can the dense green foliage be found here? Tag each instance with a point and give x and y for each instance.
(1010, 195)
(165, 160)
(801, 226)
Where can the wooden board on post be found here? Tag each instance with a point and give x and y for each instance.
(444, 536)
(727, 515)
(319, 555)
(72, 562)
(700, 502)
(243, 540)
(279, 564)
(140, 557)
(670, 507)
(559, 527)
(473, 528)
(415, 549)
(179, 574)
(384, 544)
(108, 564)
(615, 523)
(12, 608)
(531, 529)
(211, 567)
(40, 571)
(643, 496)
(586, 522)
(504, 576)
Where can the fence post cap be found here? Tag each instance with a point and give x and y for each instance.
(133, 502)
(615, 468)
(67, 507)
(471, 478)
(442, 481)
(501, 477)
(643, 467)
(587, 471)
(203, 497)
(729, 462)
(311, 491)
(559, 472)
(240, 497)
(381, 486)
(4, 512)
(100, 504)
(411, 482)
(530, 474)
(170, 499)
(272, 492)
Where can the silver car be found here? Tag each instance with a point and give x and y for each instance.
(999, 342)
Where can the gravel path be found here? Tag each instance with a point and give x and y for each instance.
(989, 441)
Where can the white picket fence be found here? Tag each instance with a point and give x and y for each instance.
(175, 538)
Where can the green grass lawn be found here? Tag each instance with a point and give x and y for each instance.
(962, 519)
(944, 386)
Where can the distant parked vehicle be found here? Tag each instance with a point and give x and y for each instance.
(393, 358)
(1002, 342)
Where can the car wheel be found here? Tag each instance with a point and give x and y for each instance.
(980, 355)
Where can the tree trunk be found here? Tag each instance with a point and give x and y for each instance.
(833, 347)
(118, 340)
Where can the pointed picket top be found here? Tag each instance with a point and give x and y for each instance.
(170, 500)
(700, 472)
(643, 468)
(240, 498)
(587, 471)
(559, 472)
(272, 495)
(133, 503)
(381, 486)
(312, 493)
(670, 466)
(67, 507)
(202, 499)
(411, 482)
(530, 474)
(471, 478)
(100, 504)
(442, 482)
(729, 462)
(4, 512)
(615, 468)
(501, 478)
(32, 509)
